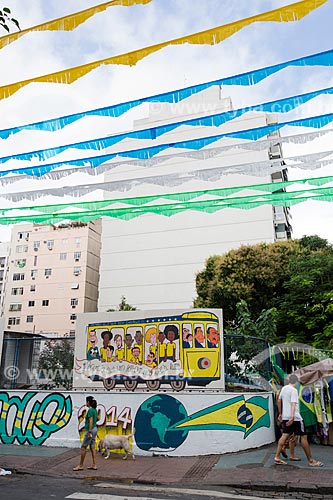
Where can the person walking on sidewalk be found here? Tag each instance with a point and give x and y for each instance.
(292, 422)
(89, 435)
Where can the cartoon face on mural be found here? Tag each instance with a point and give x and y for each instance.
(176, 350)
(213, 336)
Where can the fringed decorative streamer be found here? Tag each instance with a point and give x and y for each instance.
(175, 96)
(213, 36)
(145, 153)
(197, 155)
(270, 187)
(70, 22)
(261, 168)
(208, 206)
(281, 105)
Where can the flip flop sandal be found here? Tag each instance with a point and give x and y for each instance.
(280, 462)
(296, 459)
(316, 463)
(92, 468)
(77, 468)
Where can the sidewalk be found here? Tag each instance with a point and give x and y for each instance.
(253, 469)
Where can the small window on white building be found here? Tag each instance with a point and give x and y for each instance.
(31, 303)
(77, 242)
(18, 277)
(48, 272)
(73, 317)
(13, 321)
(63, 256)
(36, 245)
(32, 288)
(33, 273)
(64, 241)
(74, 302)
(17, 291)
(77, 270)
(50, 244)
(77, 256)
(45, 302)
(15, 307)
(30, 319)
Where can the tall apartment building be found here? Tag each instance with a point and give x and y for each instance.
(53, 274)
(152, 260)
(4, 254)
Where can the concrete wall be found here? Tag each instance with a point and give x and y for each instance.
(169, 423)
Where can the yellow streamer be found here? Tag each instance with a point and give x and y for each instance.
(292, 12)
(70, 22)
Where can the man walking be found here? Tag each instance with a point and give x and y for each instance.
(292, 422)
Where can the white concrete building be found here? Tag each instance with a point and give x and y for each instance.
(53, 274)
(152, 260)
(4, 255)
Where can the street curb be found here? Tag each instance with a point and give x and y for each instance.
(253, 486)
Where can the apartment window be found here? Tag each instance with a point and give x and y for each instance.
(18, 276)
(22, 236)
(21, 248)
(77, 270)
(2, 261)
(36, 245)
(31, 303)
(64, 241)
(45, 302)
(1, 275)
(77, 241)
(50, 244)
(33, 273)
(32, 288)
(63, 256)
(71, 333)
(74, 302)
(17, 291)
(30, 319)
(35, 260)
(13, 321)
(20, 263)
(15, 307)
(48, 272)
(77, 256)
(72, 317)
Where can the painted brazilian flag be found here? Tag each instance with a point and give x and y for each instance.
(235, 414)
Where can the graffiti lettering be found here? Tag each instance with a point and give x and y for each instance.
(30, 421)
(107, 418)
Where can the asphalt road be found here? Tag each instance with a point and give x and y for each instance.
(26, 487)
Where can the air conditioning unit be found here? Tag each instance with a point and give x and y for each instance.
(73, 307)
(33, 278)
(36, 249)
(47, 277)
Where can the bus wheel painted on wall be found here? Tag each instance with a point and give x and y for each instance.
(109, 383)
(130, 384)
(178, 385)
(153, 385)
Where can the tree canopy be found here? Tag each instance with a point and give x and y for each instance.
(6, 20)
(294, 277)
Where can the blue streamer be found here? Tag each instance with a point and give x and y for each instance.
(196, 144)
(281, 105)
(116, 110)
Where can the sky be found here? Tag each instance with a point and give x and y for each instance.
(122, 29)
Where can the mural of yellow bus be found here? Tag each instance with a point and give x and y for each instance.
(179, 350)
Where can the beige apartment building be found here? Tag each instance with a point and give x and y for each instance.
(53, 274)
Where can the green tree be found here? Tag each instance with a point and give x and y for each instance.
(123, 306)
(6, 20)
(254, 273)
(56, 361)
(295, 277)
(306, 304)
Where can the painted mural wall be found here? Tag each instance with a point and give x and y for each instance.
(171, 423)
(177, 348)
